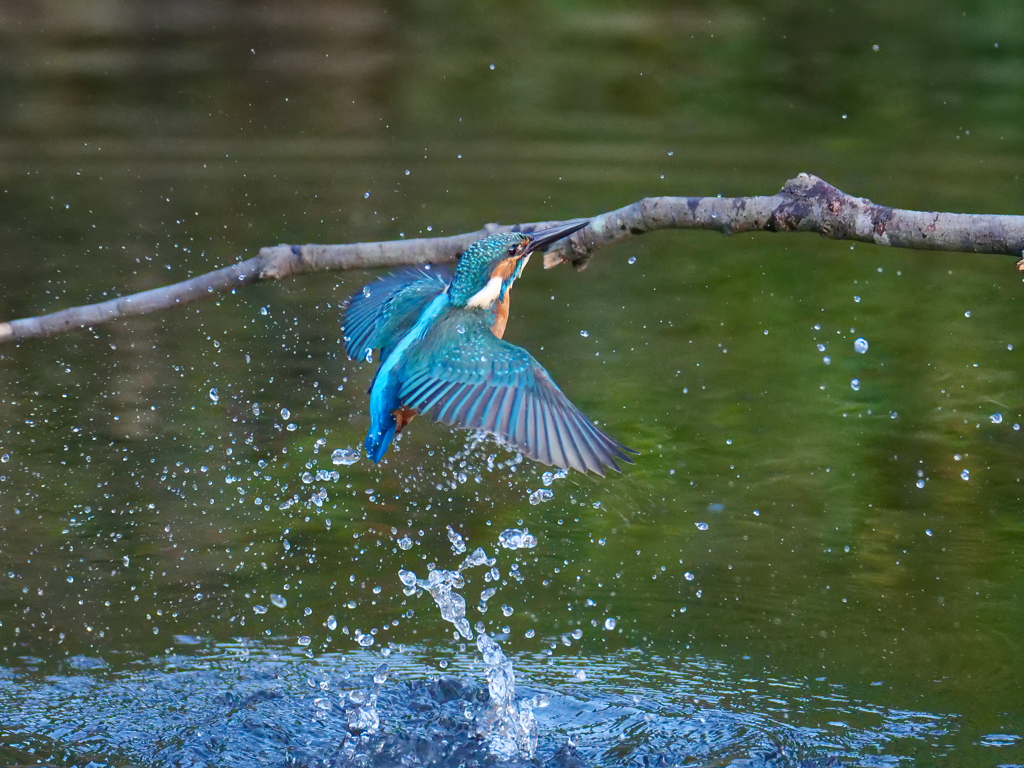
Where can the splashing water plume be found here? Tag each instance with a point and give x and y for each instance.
(507, 727)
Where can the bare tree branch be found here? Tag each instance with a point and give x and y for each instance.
(804, 204)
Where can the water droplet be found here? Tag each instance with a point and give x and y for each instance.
(5, 458)
(344, 456)
(855, 384)
(701, 526)
(286, 414)
(860, 346)
(332, 623)
(305, 640)
(492, 67)
(631, 260)
(125, 560)
(460, 328)
(405, 543)
(260, 609)
(512, 538)
(996, 418)
(584, 334)
(366, 195)
(967, 313)
(214, 395)
(540, 496)
(965, 475)
(855, 298)
(609, 623)
(920, 483)
(278, 601)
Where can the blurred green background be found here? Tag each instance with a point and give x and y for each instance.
(798, 507)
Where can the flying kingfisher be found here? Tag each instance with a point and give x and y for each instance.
(441, 355)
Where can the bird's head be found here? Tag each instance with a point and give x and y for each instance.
(487, 269)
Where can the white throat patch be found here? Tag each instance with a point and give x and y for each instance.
(486, 296)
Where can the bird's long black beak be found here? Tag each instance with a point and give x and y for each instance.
(540, 240)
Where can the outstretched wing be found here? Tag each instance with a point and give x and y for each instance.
(379, 315)
(461, 375)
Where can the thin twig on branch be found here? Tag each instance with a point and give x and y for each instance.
(804, 204)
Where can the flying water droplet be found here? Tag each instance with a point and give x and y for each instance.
(344, 456)
(965, 475)
(214, 395)
(512, 538)
(860, 346)
(609, 623)
(278, 601)
(584, 334)
(458, 543)
(460, 328)
(855, 384)
(540, 496)
(996, 418)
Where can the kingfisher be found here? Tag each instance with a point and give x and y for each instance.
(442, 355)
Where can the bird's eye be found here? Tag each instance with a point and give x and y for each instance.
(511, 250)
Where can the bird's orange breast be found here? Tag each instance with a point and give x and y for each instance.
(503, 271)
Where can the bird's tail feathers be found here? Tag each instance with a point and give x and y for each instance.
(378, 441)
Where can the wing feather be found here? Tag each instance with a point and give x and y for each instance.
(461, 375)
(376, 316)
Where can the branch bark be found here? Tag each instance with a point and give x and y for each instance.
(805, 204)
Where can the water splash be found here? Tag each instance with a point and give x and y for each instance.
(508, 727)
(442, 586)
(363, 717)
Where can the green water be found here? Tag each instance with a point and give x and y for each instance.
(780, 520)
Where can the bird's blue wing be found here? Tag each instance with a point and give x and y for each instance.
(377, 316)
(461, 375)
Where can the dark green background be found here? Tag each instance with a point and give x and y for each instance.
(142, 144)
